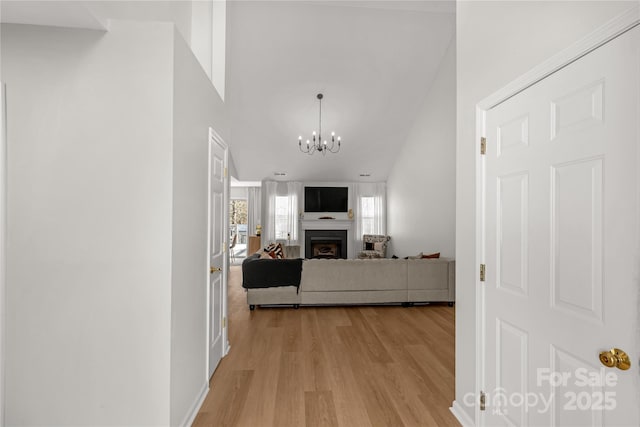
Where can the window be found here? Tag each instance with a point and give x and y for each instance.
(282, 217)
(370, 207)
(367, 215)
(281, 211)
(238, 220)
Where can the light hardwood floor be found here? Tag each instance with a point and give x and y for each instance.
(333, 366)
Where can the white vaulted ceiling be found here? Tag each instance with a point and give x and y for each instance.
(374, 62)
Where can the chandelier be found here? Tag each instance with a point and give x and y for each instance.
(317, 143)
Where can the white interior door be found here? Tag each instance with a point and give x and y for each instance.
(217, 292)
(561, 245)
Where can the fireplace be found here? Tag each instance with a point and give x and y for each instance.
(325, 243)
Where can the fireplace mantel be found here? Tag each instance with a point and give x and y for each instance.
(326, 224)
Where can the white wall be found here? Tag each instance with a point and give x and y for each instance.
(3, 243)
(202, 23)
(88, 275)
(218, 72)
(201, 38)
(178, 12)
(238, 193)
(197, 107)
(497, 42)
(421, 185)
(208, 39)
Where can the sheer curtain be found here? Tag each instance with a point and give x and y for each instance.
(294, 193)
(379, 208)
(278, 224)
(269, 193)
(357, 217)
(254, 208)
(369, 209)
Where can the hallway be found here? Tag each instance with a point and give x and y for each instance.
(346, 366)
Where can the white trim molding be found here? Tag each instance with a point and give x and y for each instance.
(460, 414)
(609, 31)
(325, 224)
(195, 408)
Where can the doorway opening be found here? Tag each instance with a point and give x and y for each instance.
(238, 225)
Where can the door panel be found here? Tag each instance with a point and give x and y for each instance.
(513, 235)
(561, 244)
(576, 237)
(511, 365)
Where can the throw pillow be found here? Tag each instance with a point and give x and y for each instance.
(433, 255)
(419, 256)
(275, 250)
(265, 255)
(270, 247)
(278, 252)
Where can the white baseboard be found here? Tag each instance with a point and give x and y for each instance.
(193, 411)
(461, 415)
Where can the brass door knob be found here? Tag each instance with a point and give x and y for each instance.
(615, 358)
(214, 269)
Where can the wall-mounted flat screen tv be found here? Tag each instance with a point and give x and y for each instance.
(326, 199)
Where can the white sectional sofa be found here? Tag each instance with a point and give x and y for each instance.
(364, 281)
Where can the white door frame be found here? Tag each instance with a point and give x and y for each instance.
(3, 241)
(597, 38)
(214, 138)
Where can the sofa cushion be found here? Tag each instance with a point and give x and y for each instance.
(431, 280)
(428, 273)
(353, 275)
(274, 295)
